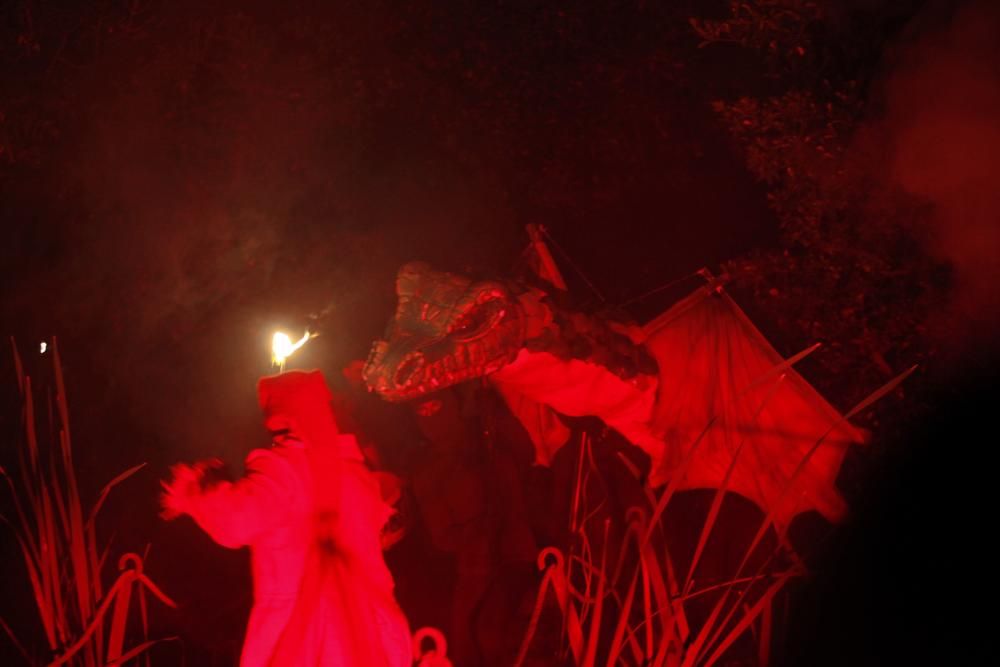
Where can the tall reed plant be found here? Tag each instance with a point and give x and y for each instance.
(62, 557)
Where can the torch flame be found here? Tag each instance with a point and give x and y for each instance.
(282, 347)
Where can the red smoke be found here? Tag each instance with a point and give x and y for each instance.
(943, 106)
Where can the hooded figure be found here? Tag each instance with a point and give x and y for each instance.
(312, 514)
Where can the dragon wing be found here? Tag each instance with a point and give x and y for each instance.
(719, 394)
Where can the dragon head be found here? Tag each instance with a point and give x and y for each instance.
(447, 329)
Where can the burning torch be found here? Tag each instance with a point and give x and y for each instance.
(282, 347)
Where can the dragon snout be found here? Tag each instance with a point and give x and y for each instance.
(393, 375)
(370, 372)
(408, 370)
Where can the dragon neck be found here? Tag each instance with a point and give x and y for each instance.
(577, 388)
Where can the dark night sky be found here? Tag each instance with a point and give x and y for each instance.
(190, 178)
(224, 172)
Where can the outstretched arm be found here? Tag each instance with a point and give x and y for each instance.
(234, 514)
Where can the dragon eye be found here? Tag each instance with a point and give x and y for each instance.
(478, 321)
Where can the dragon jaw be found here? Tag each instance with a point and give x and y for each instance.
(447, 329)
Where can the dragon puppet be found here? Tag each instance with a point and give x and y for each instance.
(698, 388)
